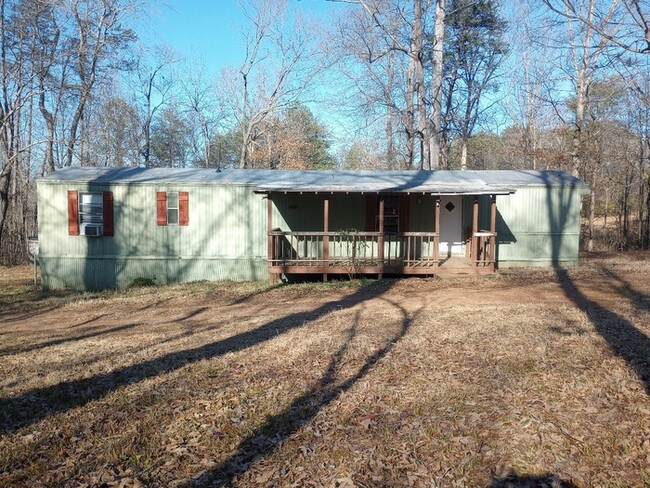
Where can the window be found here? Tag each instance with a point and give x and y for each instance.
(397, 209)
(172, 208)
(91, 208)
(90, 213)
(391, 214)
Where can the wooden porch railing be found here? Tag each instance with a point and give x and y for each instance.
(484, 249)
(354, 249)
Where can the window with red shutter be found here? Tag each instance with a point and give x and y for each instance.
(173, 208)
(107, 209)
(183, 208)
(73, 212)
(161, 207)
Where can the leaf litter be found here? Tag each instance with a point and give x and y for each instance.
(426, 382)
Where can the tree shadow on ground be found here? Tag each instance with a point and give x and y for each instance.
(155, 304)
(63, 340)
(303, 409)
(39, 403)
(16, 315)
(624, 339)
(89, 321)
(256, 293)
(547, 480)
(191, 314)
(624, 288)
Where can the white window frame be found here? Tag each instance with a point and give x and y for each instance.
(86, 218)
(170, 207)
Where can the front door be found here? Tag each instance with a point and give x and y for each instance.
(451, 230)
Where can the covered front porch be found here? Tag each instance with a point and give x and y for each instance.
(405, 233)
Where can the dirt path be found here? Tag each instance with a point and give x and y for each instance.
(464, 381)
(615, 286)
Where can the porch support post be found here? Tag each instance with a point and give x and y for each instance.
(326, 238)
(493, 231)
(380, 239)
(474, 231)
(436, 229)
(273, 277)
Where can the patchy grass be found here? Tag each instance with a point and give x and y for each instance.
(535, 377)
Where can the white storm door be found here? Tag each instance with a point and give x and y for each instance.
(451, 231)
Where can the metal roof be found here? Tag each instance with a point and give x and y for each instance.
(310, 181)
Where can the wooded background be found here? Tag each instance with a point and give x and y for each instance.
(385, 84)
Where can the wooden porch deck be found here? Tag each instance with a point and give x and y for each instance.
(454, 266)
(373, 253)
(351, 252)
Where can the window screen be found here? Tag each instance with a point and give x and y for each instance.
(172, 208)
(91, 208)
(391, 214)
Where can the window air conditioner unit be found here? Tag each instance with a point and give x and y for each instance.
(92, 230)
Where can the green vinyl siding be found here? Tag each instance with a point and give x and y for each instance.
(296, 212)
(226, 236)
(539, 226)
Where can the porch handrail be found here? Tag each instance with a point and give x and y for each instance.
(353, 248)
(485, 246)
(354, 233)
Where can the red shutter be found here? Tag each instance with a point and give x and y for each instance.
(73, 213)
(183, 208)
(161, 207)
(371, 212)
(404, 213)
(108, 213)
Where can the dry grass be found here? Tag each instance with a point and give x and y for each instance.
(532, 377)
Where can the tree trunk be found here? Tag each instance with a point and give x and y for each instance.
(389, 111)
(245, 129)
(410, 112)
(48, 159)
(243, 155)
(5, 180)
(641, 201)
(418, 41)
(592, 207)
(463, 153)
(576, 151)
(625, 210)
(436, 85)
(606, 212)
(647, 213)
(146, 129)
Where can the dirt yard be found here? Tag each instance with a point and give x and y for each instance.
(526, 378)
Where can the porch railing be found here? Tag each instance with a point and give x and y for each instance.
(484, 248)
(354, 249)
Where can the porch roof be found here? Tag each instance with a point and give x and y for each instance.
(443, 182)
(426, 182)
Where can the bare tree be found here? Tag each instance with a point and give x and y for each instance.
(154, 89)
(98, 35)
(198, 99)
(624, 23)
(401, 27)
(475, 50)
(277, 68)
(525, 101)
(436, 83)
(17, 86)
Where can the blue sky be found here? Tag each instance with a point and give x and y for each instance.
(209, 30)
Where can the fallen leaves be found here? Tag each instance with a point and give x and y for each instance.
(480, 388)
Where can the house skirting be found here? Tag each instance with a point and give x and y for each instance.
(110, 272)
